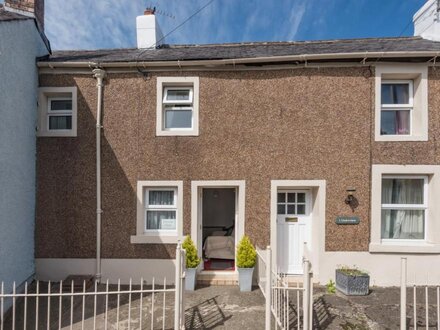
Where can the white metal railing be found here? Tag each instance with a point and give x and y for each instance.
(290, 305)
(63, 306)
(428, 308)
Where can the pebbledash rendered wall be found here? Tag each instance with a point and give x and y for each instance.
(257, 126)
(20, 44)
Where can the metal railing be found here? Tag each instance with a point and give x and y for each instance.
(60, 305)
(290, 304)
(427, 311)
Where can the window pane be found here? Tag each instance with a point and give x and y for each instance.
(161, 197)
(291, 209)
(60, 105)
(301, 209)
(281, 197)
(403, 224)
(178, 95)
(291, 197)
(281, 209)
(301, 197)
(161, 220)
(178, 118)
(395, 122)
(60, 122)
(402, 191)
(395, 93)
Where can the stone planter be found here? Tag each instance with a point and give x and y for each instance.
(245, 279)
(190, 279)
(352, 285)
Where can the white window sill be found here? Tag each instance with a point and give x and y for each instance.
(400, 248)
(177, 133)
(399, 138)
(154, 239)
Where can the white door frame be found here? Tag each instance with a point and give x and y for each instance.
(318, 194)
(196, 212)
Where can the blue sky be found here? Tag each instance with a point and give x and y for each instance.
(91, 24)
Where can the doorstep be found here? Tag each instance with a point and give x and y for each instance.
(217, 278)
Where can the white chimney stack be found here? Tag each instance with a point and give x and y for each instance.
(427, 21)
(149, 34)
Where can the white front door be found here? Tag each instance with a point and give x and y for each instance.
(293, 229)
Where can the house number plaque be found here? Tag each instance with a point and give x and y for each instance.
(347, 220)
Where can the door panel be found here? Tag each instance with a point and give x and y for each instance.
(294, 229)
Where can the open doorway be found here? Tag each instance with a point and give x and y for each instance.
(218, 222)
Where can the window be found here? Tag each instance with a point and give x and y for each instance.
(397, 105)
(177, 106)
(59, 113)
(57, 108)
(291, 203)
(159, 212)
(404, 205)
(160, 209)
(404, 209)
(401, 103)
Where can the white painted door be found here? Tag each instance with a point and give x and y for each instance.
(293, 229)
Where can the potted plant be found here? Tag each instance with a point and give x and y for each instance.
(192, 262)
(352, 281)
(246, 260)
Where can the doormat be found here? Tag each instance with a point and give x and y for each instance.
(219, 264)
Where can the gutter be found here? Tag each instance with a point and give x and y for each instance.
(267, 59)
(99, 74)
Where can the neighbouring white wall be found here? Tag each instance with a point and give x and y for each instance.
(20, 44)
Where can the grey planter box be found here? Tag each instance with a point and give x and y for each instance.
(352, 285)
(245, 279)
(190, 279)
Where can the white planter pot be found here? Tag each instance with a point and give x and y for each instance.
(245, 278)
(190, 279)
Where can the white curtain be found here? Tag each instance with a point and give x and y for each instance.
(402, 224)
(155, 220)
(160, 197)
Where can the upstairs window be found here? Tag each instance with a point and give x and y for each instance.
(57, 112)
(177, 106)
(401, 102)
(396, 107)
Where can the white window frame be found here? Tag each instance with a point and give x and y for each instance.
(158, 236)
(149, 207)
(417, 75)
(45, 96)
(163, 85)
(58, 113)
(431, 243)
(400, 107)
(423, 207)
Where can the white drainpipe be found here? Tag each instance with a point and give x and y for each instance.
(99, 74)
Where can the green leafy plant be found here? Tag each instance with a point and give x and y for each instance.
(352, 271)
(331, 287)
(246, 254)
(192, 259)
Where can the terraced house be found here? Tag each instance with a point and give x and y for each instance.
(332, 145)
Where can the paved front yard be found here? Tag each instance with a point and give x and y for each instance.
(225, 307)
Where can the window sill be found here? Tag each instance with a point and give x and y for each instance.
(177, 133)
(401, 138)
(154, 239)
(399, 248)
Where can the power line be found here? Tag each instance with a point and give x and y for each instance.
(177, 27)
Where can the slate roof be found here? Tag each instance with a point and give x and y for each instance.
(246, 50)
(10, 16)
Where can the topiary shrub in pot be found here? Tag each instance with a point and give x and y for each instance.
(246, 260)
(192, 262)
